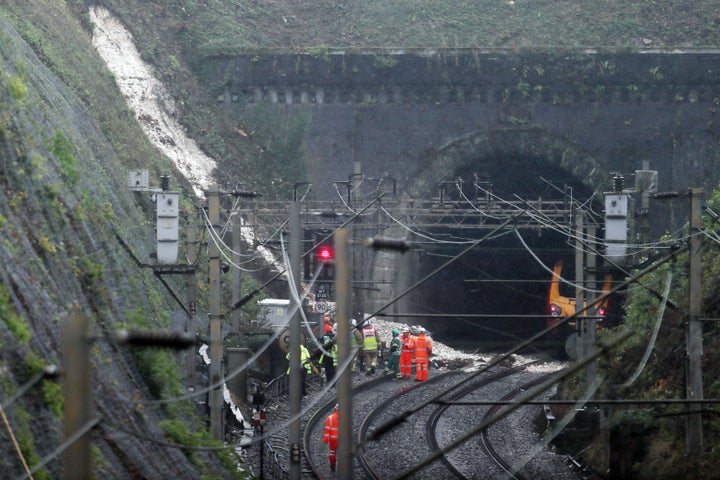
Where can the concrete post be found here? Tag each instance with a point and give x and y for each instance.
(590, 324)
(238, 385)
(357, 293)
(216, 346)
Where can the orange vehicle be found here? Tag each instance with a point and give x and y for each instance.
(559, 306)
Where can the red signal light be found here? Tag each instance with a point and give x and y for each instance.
(325, 253)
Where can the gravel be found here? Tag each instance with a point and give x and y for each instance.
(517, 432)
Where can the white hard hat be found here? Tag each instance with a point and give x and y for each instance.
(353, 322)
(406, 330)
(421, 330)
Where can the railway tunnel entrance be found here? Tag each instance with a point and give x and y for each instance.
(495, 294)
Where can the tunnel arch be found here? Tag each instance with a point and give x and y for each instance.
(526, 142)
(510, 157)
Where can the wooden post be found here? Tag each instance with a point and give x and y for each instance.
(77, 392)
(295, 387)
(343, 295)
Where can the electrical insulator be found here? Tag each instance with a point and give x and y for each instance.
(387, 244)
(245, 194)
(618, 183)
(165, 183)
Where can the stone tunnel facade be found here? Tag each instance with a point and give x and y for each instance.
(420, 116)
(393, 112)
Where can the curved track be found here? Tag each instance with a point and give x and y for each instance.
(428, 427)
(434, 421)
(365, 397)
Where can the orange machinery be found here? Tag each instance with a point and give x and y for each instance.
(559, 306)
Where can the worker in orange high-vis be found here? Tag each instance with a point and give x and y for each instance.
(327, 326)
(330, 436)
(407, 353)
(423, 350)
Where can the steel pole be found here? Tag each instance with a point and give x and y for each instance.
(236, 278)
(694, 329)
(580, 346)
(191, 250)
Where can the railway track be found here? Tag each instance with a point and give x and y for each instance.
(435, 424)
(429, 428)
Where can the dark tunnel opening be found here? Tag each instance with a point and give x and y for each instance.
(498, 290)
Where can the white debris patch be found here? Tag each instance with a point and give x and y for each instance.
(148, 98)
(441, 352)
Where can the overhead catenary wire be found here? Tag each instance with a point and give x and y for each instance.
(271, 339)
(622, 270)
(417, 232)
(550, 270)
(511, 408)
(653, 337)
(398, 419)
(446, 264)
(222, 247)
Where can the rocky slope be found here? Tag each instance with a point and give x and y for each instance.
(64, 203)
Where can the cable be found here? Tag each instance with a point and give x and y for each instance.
(342, 199)
(68, 441)
(15, 443)
(415, 232)
(550, 270)
(641, 285)
(552, 380)
(164, 443)
(221, 246)
(557, 428)
(653, 338)
(387, 426)
(449, 262)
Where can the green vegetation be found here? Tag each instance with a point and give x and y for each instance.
(161, 371)
(199, 438)
(63, 150)
(226, 27)
(17, 326)
(17, 88)
(658, 432)
(26, 442)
